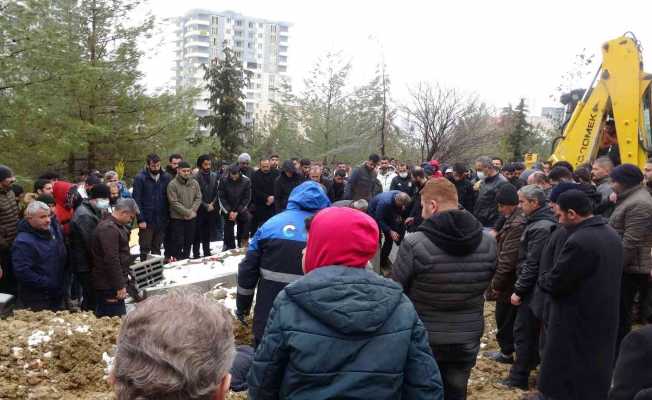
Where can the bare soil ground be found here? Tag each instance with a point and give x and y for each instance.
(48, 356)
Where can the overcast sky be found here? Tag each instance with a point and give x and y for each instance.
(500, 50)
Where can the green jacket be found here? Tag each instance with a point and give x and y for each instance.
(184, 196)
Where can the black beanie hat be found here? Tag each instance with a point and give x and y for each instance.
(627, 174)
(183, 164)
(5, 172)
(507, 195)
(575, 200)
(561, 188)
(234, 169)
(100, 191)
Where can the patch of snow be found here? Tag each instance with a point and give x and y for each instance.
(108, 361)
(17, 352)
(82, 328)
(37, 337)
(188, 272)
(47, 355)
(58, 320)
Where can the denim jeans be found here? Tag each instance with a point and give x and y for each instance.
(455, 363)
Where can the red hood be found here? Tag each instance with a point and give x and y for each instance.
(59, 190)
(341, 236)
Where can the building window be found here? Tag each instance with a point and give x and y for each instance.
(215, 20)
(238, 22)
(250, 45)
(238, 33)
(272, 28)
(238, 54)
(251, 25)
(272, 38)
(238, 43)
(251, 35)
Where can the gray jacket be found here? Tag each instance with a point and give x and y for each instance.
(632, 219)
(538, 228)
(606, 207)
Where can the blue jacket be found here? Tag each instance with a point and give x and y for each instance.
(274, 256)
(152, 198)
(39, 258)
(383, 210)
(344, 333)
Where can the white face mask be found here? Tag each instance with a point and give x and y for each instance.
(480, 175)
(403, 174)
(102, 204)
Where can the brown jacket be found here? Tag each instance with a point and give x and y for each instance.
(8, 219)
(184, 196)
(508, 241)
(632, 219)
(110, 252)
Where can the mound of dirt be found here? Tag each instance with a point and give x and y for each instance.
(64, 356)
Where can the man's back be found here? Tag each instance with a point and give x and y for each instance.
(445, 268)
(110, 250)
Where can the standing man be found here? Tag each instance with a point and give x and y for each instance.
(385, 174)
(387, 210)
(286, 181)
(273, 259)
(274, 163)
(43, 186)
(173, 165)
(363, 183)
(540, 222)
(486, 209)
(632, 219)
(262, 186)
(150, 193)
(206, 217)
(450, 303)
(501, 288)
(184, 197)
(584, 286)
(8, 229)
(316, 175)
(647, 172)
(111, 259)
(234, 195)
(82, 226)
(38, 259)
(244, 160)
(305, 164)
(336, 190)
(403, 181)
(600, 172)
(465, 192)
(414, 218)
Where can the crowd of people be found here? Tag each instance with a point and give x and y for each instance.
(564, 252)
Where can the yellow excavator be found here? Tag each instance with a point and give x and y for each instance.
(614, 114)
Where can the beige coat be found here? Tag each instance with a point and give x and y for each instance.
(632, 219)
(184, 196)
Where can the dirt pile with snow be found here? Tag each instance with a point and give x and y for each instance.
(63, 356)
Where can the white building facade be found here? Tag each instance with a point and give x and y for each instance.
(261, 45)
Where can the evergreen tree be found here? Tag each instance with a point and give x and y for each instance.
(225, 81)
(520, 136)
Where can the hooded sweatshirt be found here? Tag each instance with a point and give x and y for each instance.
(274, 256)
(354, 315)
(61, 210)
(445, 268)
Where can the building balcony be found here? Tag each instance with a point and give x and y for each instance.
(196, 32)
(204, 22)
(198, 54)
(196, 43)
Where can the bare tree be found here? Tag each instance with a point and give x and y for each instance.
(436, 113)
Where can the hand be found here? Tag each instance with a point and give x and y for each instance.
(234, 216)
(193, 214)
(270, 200)
(142, 225)
(395, 236)
(493, 233)
(121, 294)
(613, 197)
(409, 221)
(210, 207)
(515, 300)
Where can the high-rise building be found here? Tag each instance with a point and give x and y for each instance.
(261, 45)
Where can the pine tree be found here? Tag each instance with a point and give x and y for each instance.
(520, 134)
(225, 81)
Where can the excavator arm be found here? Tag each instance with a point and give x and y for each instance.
(621, 91)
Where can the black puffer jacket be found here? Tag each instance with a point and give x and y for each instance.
(283, 185)
(486, 207)
(445, 268)
(234, 195)
(82, 226)
(538, 228)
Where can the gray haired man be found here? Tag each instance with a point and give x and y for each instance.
(539, 225)
(176, 346)
(110, 251)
